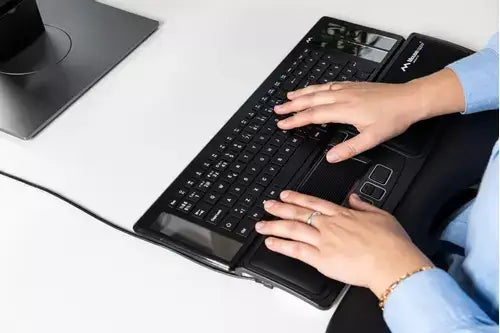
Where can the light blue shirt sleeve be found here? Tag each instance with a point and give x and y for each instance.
(478, 74)
(432, 302)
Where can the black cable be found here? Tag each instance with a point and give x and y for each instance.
(105, 221)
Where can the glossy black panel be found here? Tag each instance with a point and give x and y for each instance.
(202, 239)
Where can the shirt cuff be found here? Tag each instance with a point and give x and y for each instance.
(431, 301)
(478, 74)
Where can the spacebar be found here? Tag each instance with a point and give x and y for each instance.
(294, 164)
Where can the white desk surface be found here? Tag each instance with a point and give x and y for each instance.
(117, 148)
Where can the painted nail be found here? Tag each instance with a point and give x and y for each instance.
(333, 157)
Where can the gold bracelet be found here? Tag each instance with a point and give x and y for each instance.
(393, 286)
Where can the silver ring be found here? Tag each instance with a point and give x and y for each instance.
(310, 218)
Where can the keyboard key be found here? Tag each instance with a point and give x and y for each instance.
(254, 168)
(221, 187)
(271, 170)
(262, 118)
(236, 131)
(230, 177)
(228, 138)
(239, 211)
(269, 150)
(237, 190)
(272, 193)
(291, 83)
(278, 139)
(246, 137)
(185, 206)
(256, 189)
(263, 180)
(245, 228)
(261, 139)
(201, 210)
(237, 146)
(228, 200)
(256, 214)
(194, 196)
(213, 157)
(238, 167)
(204, 185)
(271, 91)
(245, 157)
(216, 215)
(254, 126)
(221, 165)
(363, 76)
(254, 148)
(294, 141)
(173, 203)
(279, 159)
(248, 200)
(212, 175)
(221, 147)
(228, 156)
(246, 179)
(261, 159)
(212, 197)
(198, 173)
(264, 99)
(317, 135)
(190, 183)
(257, 107)
(180, 193)
(251, 114)
(230, 223)
(287, 150)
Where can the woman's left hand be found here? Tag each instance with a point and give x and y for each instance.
(363, 246)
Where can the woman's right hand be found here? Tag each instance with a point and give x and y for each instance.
(379, 111)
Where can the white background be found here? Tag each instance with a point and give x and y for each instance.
(117, 148)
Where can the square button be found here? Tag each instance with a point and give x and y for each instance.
(372, 191)
(368, 189)
(381, 174)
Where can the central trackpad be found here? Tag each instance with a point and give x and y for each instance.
(333, 182)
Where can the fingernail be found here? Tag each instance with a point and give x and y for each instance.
(291, 93)
(259, 226)
(269, 242)
(355, 196)
(268, 204)
(285, 194)
(278, 107)
(332, 157)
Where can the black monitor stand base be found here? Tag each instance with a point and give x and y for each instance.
(80, 41)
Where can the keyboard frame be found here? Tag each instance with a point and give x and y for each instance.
(234, 266)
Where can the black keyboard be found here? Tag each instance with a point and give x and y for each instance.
(251, 160)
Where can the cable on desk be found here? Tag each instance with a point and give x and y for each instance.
(103, 220)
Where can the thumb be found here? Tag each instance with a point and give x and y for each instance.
(356, 203)
(354, 146)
